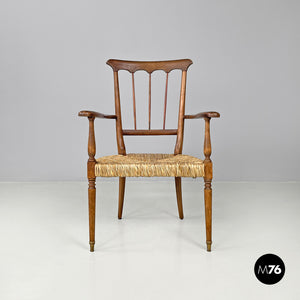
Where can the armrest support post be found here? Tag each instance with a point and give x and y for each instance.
(207, 141)
(207, 152)
(91, 140)
(91, 152)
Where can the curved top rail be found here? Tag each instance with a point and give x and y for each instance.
(149, 66)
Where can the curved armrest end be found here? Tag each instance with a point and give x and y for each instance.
(94, 114)
(201, 115)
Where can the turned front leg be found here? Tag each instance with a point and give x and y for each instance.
(208, 175)
(208, 212)
(92, 212)
(92, 182)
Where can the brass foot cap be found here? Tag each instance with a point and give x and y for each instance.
(208, 246)
(92, 247)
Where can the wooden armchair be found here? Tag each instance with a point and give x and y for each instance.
(149, 165)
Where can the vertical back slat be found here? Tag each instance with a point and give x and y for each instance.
(149, 101)
(165, 106)
(133, 97)
(120, 140)
(179, 141)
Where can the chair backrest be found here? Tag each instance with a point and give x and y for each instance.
(150, 67)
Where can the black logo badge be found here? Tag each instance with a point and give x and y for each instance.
(269, 269)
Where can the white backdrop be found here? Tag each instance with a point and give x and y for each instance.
(246, 66)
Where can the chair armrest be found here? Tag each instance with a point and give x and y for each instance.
(94, 114)
(91, 115)
(202, 115)
(207, 144)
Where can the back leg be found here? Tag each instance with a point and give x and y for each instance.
(121, 195)
(179, 196)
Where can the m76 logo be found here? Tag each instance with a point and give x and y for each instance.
(269, 269)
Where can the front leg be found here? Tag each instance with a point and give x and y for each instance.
(92, 181)
(208, 175)
(208, 210)
(92, 211)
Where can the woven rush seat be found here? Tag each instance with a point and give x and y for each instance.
(149, 165)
